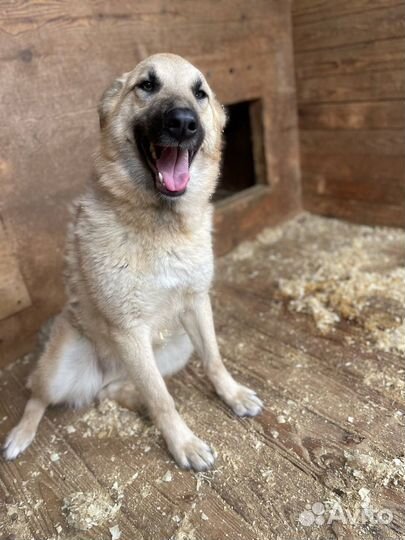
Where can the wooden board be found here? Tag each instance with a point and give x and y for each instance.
(369, 115)
(13, 293)
(308, 11)
(56, 59)
(332, 428)
(349, 59)
(366, 24)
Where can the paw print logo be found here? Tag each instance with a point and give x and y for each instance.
(312, 515)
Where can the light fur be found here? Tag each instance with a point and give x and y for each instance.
(138, 274)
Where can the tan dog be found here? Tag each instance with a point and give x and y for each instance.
(140, 263)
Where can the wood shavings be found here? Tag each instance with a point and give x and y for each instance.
(349, 283)
(205, 477)
(167, 477)
(267, 474)
(364, 496)
(267, 237)
(185, 531)
(385, 472)
(86, 510)
(115, 532)
(16, 521)
(108, 419)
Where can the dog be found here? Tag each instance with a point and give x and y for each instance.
(139, 262)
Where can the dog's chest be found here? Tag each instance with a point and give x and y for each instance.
(163, 278)
(182, 269)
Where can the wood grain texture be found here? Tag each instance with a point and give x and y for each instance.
(378, 115)
(343, 30)
(327, 398)
(349, 59)
(14, 296)
(308, 11)
(56, 59)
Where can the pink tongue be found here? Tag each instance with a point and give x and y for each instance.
(173, 165)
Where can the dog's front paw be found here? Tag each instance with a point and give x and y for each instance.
(17, 441)
(244, 401)
(193, 454)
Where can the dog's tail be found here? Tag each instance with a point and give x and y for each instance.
(22, 435)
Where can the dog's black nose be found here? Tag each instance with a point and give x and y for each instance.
(182, 124)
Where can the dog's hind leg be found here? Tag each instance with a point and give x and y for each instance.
(173, 355)
(67, 372)
(123, 392)
(170, 358)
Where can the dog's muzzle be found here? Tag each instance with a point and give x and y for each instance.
(169, 144)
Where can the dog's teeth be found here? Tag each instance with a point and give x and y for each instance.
(160, 175)
(152, 151)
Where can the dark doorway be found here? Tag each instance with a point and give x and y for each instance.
(238, 165)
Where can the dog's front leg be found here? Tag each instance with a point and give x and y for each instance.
(199, 324)
(135, 350)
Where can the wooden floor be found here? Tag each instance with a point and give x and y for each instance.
(330, 370)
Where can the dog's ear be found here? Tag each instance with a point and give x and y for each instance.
(110, 99)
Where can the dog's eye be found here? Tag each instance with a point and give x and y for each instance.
(200, 94)
(146, 86)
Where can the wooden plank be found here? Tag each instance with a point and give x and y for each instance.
(14, 296)
(355, 211)
(305, 11)
(368, 57)
(257, 139)
(375, 85)
(346, 142)
(18, 17)
(242, 216)
(355, 177)
(349, 29)
(353, 116)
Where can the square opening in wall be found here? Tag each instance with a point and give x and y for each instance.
(243, 155)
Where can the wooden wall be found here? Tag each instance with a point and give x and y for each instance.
(350, 69)
(55, 60)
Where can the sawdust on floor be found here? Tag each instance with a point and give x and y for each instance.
(352, 277)
(343, 284)
(86, 510)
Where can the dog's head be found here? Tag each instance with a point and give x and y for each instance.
(162, 122)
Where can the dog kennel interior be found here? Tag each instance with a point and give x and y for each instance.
(310, 281)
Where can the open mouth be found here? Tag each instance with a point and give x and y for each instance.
(170, 166)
